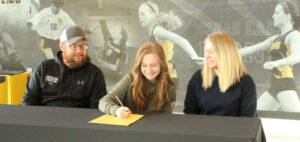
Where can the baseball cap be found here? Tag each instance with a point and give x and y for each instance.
(72, 34)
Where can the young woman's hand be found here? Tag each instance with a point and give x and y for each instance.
(123, 112)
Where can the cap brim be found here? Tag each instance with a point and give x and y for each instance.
(74, 39)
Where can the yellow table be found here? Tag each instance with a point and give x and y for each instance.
(13, 87)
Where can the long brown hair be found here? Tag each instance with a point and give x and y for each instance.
(139, 84)
(230, 65)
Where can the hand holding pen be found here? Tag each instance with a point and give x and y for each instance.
(122, 112)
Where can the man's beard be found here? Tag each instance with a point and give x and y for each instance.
(75, 64)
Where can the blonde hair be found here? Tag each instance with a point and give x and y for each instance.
(163, 80)
(230, 65)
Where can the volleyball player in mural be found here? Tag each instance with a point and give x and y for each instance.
(49, 23)
(112, 58)
(9, 59)
(284, 51)
(153, 21)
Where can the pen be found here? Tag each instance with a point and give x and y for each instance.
(119, 101)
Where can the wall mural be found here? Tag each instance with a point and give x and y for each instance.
(268, 40)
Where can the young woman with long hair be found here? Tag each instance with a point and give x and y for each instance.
(147, 88)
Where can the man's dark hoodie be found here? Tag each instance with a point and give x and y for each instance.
(55, 84)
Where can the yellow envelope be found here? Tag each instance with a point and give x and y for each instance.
(112, 120)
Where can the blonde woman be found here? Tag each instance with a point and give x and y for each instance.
(147, 88)
(222, 86)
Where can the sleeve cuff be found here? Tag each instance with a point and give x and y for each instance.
(113, 110)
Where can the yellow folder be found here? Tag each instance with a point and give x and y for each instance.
(112, 120)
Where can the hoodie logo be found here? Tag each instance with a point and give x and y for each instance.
(51, 79)
(80, 82)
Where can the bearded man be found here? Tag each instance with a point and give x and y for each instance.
(68, 80)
